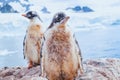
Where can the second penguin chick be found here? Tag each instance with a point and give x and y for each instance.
(32, 39)
(61, 58)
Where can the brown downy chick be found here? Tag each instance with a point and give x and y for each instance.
(32, 40)
(61, 58)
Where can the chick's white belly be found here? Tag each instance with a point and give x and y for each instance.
(32, 53)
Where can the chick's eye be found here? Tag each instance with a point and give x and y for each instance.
(58, 19)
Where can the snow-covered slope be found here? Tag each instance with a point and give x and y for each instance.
(105, 12)
(53, 6)
(101, 6)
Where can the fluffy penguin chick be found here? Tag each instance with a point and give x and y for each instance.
(32, 40)
(61, 56)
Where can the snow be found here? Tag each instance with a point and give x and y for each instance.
(12, 25)
(6, 52)
(17, 6)
(24, 2)
(60, 5)
(0, 4)
(105, 13)
(78, 21)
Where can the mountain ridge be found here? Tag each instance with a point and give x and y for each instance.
(17, 6)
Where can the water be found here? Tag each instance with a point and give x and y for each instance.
(100, 43)
(12, 52)
(96, 43)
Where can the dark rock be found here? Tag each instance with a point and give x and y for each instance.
(117, 22)
(44, 10)
(87, 9)
(5, 68)
(76, 8)
(79, 9)
(18, 67)
(8, 1)
(26, 0)
(6, 8)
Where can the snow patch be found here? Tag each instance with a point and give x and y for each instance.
(6, 52)
(17, 6)
(24, 2)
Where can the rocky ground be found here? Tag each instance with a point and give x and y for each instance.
(97, 69)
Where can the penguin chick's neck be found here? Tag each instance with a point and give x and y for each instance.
(35, 20)
(60, 26)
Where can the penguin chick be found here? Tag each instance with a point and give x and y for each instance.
(61, 58)
(32, 39)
